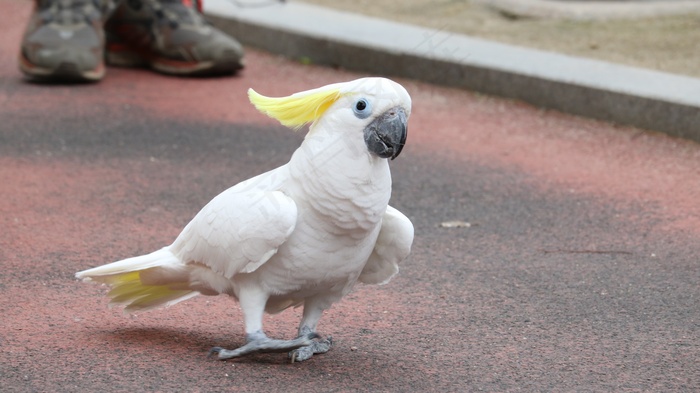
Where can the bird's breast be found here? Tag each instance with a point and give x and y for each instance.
(316, 261)
(340, 205)
(345, 195)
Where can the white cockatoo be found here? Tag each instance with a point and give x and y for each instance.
(299, 235)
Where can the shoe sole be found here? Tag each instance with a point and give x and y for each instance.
(120, 55)
(204, 68)
(65, 71)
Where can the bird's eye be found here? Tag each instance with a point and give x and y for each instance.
(362, 108)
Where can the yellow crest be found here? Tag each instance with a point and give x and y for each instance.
(298, 109)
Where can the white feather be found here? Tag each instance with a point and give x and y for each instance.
(393, 246)
(162, 257)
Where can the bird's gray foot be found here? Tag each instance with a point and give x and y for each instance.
(263, 344)
(306, 352)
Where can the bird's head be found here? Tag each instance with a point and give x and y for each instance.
(378, 108)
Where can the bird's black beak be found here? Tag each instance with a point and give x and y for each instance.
(386, 135)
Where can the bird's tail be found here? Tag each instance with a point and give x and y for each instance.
(145, 282)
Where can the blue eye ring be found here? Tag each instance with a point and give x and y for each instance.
(362, 108)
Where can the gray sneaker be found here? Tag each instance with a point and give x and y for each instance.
(64, 40)
(171, 38)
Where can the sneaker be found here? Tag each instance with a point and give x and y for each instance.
(64, 40)
(171, 38)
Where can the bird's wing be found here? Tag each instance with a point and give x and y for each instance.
(238, 231)
(393, 246)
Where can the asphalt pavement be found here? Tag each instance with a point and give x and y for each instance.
(575, 267)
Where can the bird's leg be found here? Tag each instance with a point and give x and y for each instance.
(253, 306)
(307, 328)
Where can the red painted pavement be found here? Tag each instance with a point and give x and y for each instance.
(579, 271)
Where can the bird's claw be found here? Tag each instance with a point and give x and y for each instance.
(214, 351)
(306, 352)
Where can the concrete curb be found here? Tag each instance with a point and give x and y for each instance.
(592, 10)
(627, 95)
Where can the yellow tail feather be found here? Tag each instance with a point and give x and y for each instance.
(128, 290)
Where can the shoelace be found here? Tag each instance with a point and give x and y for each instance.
(66, 12)
(172, 12)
